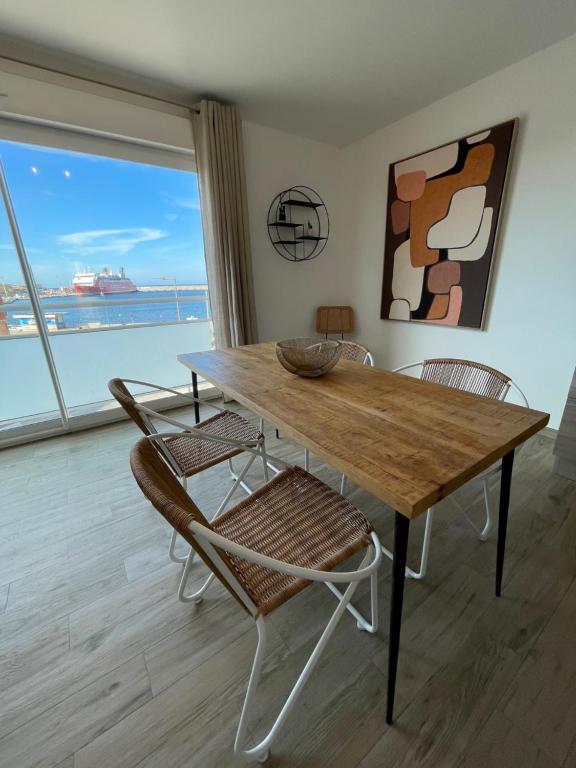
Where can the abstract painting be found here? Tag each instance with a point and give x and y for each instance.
(441, 224)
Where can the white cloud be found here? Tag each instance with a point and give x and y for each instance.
(191, 203)
(12, 249)
(115, 241)
(171, 216)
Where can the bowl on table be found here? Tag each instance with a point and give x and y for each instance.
(308, 357)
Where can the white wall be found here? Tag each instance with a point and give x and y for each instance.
(531, 321)
(287, 293)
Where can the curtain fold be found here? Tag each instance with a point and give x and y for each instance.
(220, 164)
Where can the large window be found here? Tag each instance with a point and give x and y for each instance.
(115, 254)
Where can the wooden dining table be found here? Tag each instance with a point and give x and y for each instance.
(408, 442)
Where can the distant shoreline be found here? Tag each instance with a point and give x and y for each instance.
(11, 291)
(183, 287)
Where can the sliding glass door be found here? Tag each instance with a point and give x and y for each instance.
(116, 260)
(28, 397)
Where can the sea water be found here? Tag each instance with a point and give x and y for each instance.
(75, 313)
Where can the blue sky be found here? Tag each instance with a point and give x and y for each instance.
(77, 211)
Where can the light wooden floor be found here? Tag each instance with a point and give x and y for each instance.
(102, 667)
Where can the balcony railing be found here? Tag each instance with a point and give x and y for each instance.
(85, 357)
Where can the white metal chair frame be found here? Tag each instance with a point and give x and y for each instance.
(368, 359)
(368, 569)
(148, 414)
(486, 477)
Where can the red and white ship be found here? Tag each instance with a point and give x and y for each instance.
(103, 283)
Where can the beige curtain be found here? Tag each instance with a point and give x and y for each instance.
(220, 164)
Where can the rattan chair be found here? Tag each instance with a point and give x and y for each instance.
(358, 353)
(187, 457)
(477, 379)
(291, 532)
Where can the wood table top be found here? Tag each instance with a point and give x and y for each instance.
(408, 442)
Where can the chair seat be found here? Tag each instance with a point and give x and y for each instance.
(295, 518)
(194, 456)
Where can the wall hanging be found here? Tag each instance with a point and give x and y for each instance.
(441, 225)
(298, 224)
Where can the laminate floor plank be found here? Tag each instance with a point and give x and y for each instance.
(215, 627)
(202, 702)
(571, 756)
(57, 520)
(23, 556)
(500, 743)
(56, 592)
(3, 597)
(67, 763)
(541, 700)
(435, 729)
(30, 652)
(63, 729)
(65, 587)
(134, 601)
(147, 558)
(118, 537)
(99, 648)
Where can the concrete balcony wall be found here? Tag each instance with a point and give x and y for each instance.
(87, 360)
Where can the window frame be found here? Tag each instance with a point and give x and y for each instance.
(91, 141)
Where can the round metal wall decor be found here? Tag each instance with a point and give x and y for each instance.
(298, 224)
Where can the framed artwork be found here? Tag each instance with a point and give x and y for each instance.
(441, 225)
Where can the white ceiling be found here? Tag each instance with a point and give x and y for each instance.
(332, 70)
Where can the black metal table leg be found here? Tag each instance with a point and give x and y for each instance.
(505, 483)
(401, 530)
(195, 393)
